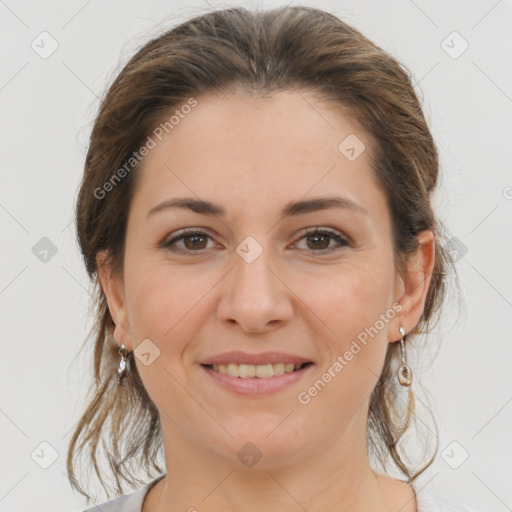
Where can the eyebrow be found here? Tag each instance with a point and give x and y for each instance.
(291, 209)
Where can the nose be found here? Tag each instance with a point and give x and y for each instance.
(255, 296)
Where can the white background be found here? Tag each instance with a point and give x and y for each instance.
(47, 106)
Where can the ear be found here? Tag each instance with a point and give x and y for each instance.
(412, 289)
(112, 286)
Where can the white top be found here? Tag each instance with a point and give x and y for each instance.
(133, 502)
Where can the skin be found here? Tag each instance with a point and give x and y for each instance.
(252, 156)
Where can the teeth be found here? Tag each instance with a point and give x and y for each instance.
(234, 370)
(261, 371)
(264, 371)
(246, 371)
(278, 368)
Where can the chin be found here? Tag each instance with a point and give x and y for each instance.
(254, 448)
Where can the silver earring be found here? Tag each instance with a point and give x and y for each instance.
(124, 364)
(404, 372)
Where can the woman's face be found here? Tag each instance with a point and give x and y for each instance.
(251, 280)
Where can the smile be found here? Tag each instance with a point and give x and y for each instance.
(256, 380)
(261, 371)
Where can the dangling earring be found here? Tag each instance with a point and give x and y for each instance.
(404, 372)
(124, 364)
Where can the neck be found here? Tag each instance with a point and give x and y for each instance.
(337, 478)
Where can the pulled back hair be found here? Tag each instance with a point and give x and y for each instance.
(259, 53)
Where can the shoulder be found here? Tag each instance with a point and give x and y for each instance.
(127, 502)
(429, 503)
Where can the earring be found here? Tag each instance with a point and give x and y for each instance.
(404, 372)
(124, 364)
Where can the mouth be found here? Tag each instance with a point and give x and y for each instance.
(260, 371)
(256, 374)
(257, 380)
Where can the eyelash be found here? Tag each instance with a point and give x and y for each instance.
(309, 232)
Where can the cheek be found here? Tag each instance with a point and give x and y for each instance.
(350, 297)
(166, 308)
(166, 304)
(154, 305)
(354, 303)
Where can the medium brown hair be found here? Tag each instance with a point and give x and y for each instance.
(260, 53)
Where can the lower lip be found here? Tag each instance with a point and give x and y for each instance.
(256, 386)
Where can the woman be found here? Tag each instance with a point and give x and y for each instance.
(256, 214)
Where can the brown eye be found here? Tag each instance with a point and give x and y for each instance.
(320, 240)
(193, 241)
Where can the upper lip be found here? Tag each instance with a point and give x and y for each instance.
(239, 357)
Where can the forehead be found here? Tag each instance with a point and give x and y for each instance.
(241, 148)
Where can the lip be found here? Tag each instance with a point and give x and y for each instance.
(256, 386)
(240, 357)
